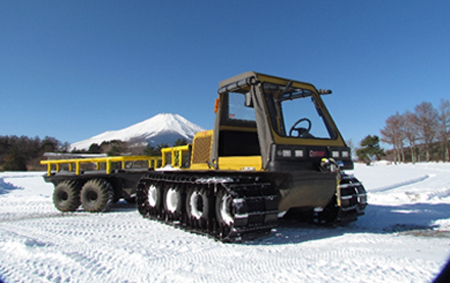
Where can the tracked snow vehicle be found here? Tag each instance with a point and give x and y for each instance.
(274, 152)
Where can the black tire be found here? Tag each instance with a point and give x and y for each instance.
(97, 195)
(197, 205)
(66, 196)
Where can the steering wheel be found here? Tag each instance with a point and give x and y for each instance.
(301, 131)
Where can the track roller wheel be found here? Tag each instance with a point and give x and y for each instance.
(66, 196)
(224, 212)
(97, 195)
(197, 207)
(173, 202)
(154, 196)
(149, 198)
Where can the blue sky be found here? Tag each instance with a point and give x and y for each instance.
(74, 69)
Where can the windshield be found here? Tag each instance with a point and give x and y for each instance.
(295, 113)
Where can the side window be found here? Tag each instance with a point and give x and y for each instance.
(237, 108)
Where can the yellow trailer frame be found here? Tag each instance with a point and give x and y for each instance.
(56, 164)
(175, 152)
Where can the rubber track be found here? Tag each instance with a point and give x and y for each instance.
(353, 203)
(352, 189)
(255, 205)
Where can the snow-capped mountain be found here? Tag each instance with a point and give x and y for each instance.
(162, 128)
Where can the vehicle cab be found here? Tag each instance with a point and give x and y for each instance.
(267, 123)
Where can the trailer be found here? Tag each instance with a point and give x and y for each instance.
(96, 183)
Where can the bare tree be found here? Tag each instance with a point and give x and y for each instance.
(392, 134)
(352, 147)
(444, 128)
(426, 125)
(410, 133)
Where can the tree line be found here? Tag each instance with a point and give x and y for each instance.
(422, 135)
(25, 153)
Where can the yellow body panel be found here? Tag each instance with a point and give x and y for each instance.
(201, 150)
(250, 163)
(200, 166)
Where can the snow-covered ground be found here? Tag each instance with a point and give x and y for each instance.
(404, 237)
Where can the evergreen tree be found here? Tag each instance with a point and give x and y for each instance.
(180, 142)
(94, 148)
(116, 148)
(14, 161)
(50, 144)
(370, 149)
(150, 150)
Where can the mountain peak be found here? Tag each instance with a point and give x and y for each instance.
(162, 128)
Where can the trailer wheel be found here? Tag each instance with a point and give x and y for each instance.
(66, 196)
(197, 204)
(97, 195)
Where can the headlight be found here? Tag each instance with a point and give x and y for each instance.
(287, 153)
(335, 154)
(284, 153)
(290, 153)
(298, 153)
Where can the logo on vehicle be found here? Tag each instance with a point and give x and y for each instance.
(313, 153)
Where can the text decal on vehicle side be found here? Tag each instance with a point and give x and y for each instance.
(314, 153)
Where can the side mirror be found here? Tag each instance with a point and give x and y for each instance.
(248, 100)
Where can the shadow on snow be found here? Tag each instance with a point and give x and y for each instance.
(418, 219)
(6, 187)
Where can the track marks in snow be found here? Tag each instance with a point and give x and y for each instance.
(121, 246)
(401, 184)
(53, 245)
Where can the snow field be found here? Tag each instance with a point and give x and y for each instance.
(404, 237)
